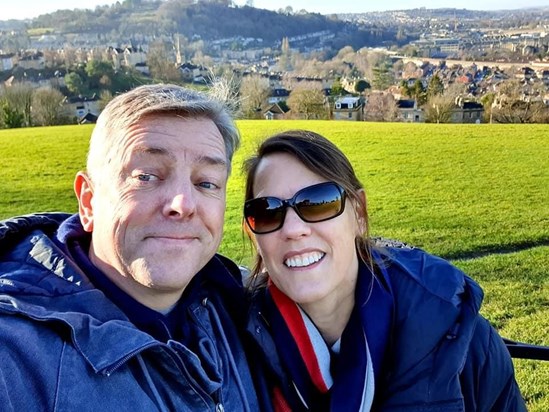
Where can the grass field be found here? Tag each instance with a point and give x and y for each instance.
(475, 194)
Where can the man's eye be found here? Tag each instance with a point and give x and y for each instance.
(146, 177)
(208, 185)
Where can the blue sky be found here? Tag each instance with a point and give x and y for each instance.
(19, 9)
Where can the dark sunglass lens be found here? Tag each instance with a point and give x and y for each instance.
(264, 214)
(320, 202)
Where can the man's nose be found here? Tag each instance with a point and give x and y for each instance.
(181, 203)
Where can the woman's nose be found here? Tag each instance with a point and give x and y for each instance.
(294, 226)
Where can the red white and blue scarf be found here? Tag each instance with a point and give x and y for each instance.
(322, 379)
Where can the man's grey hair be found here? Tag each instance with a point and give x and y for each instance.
(129, 108)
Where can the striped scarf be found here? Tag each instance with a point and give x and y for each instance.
(338, 378)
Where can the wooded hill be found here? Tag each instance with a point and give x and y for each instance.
(209, 20)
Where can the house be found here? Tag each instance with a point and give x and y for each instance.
(407, 111)
(544, 76)
(525, 73)
(348, 108)
(143, 68)
(467, 112)
(117, 56)
(193, 73)
(31, 61)
(6, 62)
(88, 118)
(276, 112)
(278, 95)
(79, 107)
(134, 56)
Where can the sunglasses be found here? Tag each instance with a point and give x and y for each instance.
(312, 204)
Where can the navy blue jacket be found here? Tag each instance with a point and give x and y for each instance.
(65, 347)
(442, 355)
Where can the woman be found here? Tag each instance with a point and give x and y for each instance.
(338, 324)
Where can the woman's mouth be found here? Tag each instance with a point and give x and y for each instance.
(304, 260)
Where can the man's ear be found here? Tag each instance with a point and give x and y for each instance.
(361, 211)
(83, 188)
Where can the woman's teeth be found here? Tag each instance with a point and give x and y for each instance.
(303, 260)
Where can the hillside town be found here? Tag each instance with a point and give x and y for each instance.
(448, 68)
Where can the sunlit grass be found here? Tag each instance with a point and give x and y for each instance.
(466, 192)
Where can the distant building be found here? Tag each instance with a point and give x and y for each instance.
(79, 107)
(275, 112)
(467, 112)
(6, 62)
(278, 95)
(348, 108)
(88, 118)
(407, 111)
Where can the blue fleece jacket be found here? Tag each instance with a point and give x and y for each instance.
(64, 346)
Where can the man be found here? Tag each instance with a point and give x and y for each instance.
(126, 306)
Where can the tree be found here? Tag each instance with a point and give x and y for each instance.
(74, 83)
(11, 118)
(254, 91)
(284, 61)
(69, 57)
(381, 107)
(160, 64)
(487, 102)
(47, 106)
(99, 74)
(361, 86)
(382, 76)
(18, 101)
(418, 92)
(307, 102)
(515, 104)
(104, 98)
(435, 86)
(405, 89)
(337, 88)
(439, 109)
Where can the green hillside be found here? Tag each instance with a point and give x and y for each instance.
(475, 194)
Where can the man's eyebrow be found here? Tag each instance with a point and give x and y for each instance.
(154, 151)
(162, 152)
(213, 160)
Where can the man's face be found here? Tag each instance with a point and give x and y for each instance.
(156, 210)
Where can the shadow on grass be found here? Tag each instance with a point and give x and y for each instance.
(496, 249)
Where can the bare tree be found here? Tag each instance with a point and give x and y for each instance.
(47, 106)
(307, 101)
(162, 67)
(381, 107)
(69, 56)
(254, 91)
(367, 60)
(104, 98)
(439, 107)
(51, 58)
(515, 103)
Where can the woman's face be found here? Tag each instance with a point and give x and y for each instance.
(312, 263)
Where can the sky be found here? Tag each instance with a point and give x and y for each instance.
(21, 9)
